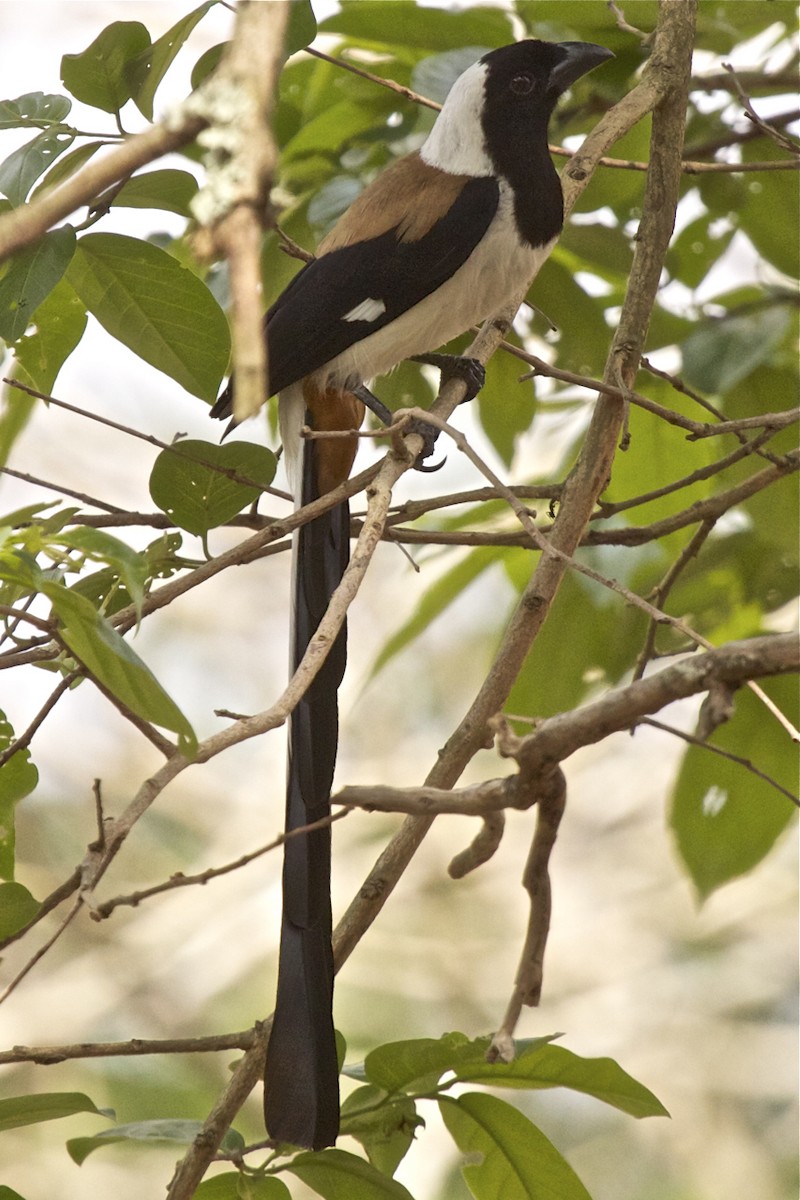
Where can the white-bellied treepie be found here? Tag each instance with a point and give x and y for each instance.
(439, 241)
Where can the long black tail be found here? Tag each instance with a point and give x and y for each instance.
(301, 1096)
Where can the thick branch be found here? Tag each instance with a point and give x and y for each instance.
(733, 664)
(31, 221)
(243, 164)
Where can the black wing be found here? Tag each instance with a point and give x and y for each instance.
(306, 327)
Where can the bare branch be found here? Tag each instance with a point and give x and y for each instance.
(552, 798)
(179, 880)
(234, 201)
(662, 590)
(736, 758)
(777, 135)
(47, 1056)
(555, 738)
(26, 224)
(66, 921)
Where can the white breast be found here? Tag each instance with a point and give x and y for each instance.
(498, 269)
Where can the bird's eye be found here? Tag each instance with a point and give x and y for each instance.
(521, 85)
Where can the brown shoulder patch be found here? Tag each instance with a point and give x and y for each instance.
(408, 196)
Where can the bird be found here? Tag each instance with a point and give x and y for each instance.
(439, 241)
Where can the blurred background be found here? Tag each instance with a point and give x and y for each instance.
(697, 1003)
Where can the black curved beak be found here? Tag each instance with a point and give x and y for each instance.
(581, 58)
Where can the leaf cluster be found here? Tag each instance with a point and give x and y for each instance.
(506, 1150)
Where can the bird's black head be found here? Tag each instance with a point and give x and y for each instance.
(524, 81)
(521, 86)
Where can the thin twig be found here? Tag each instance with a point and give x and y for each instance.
(66, 921)
(551, 793)
(179, 880)
(25, 739)
(777, 135)
(134, 1048)
(84, 498)
(171, 447)
(662, 590)
(735, 758)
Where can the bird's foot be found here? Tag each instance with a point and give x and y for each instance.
(456, 366)
(386, 416)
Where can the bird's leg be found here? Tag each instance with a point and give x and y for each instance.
(456, 366)
(450, 366)
(385, 415)
(376, 406)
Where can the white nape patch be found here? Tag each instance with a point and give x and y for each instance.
(367, 310)
(456, 142)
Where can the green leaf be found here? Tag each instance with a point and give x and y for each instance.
(16, 1111)
(113, 663)
(385, 1128)
(17, 908)
(18, 778)
(130, 565)
(233, 1185)
(166, 189)
(144, 73)
(439, 596)
(333, 129)
(96, 76)
(601, 249)
(419, 1063)
(586, 634)
(25, 515)
(66, 166)
(34, 107)
(407, 24)
(158, 309)
(724, 818)
(724, 351)
(60, 321)
(582, 331)
(509, 1156)
(208, 61)
(31, 276)
(188, 486)
(172, 1130)
(435, 75)
(337, 1175)
(697, 248)
(301, 29)
(7, 1193)
(20, 170)
(546, 1066)
(20, 570)
(506, 406)
(40, 354)
(770, 193)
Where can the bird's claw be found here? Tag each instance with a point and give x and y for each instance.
(456, 366)
(429, 436)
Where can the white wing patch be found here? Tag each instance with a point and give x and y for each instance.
(367, 310)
